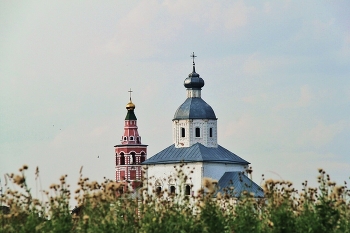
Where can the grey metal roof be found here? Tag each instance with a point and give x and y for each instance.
(194, 81)
(195, 153)
(234, 183)
(194, 108)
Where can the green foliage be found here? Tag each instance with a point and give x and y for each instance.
(103, 209)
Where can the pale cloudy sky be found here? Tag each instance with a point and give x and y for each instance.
(276, 74)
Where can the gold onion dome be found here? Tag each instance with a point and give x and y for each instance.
(130, 106)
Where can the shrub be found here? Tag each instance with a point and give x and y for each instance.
(101, 208)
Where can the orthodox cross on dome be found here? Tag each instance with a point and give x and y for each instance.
(130, 93)
(193, 56)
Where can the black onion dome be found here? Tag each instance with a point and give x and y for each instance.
(194, 108)
(194, 81)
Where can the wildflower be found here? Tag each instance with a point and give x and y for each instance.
(18, 179)
(339, 190)
(36, 201)
(5, 176)
(36, 172)
(218, 196)
(86, 219)
(270, 223)
(209, 184)
(340, 202)
(329, 183)
(113, 186)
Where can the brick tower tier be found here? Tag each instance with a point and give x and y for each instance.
(130, 153)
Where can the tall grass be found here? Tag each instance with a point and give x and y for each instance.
(102, 209)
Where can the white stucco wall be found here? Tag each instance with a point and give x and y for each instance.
(190, 136)
(166, 175)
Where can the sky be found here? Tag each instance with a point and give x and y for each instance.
(276, 74)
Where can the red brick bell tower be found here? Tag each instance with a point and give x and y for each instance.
(130, 153)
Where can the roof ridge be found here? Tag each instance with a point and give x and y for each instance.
(200, 149)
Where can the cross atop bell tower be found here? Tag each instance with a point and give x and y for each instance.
(130, 91)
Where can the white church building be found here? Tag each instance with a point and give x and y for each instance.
(195, 152)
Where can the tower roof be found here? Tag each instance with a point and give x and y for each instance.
(130, 107)
(131, 115)
(194, 81)
(194, 108)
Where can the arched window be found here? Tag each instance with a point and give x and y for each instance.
(131, 138)
(133, 158)
(198, 132)
(211, 132)
(116, 159)
(158, 190)
(143, 157)
(125, 138)
(172, 189)
(188, 190)
(122, 159)
(183, 132)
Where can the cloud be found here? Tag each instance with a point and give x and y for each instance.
(255, 66)
(321, 134)
(152, 26)
(305, 99)
(293, 126)
(255, 99)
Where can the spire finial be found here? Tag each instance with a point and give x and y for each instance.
(193, 56)
(130, 105)
(130, 93)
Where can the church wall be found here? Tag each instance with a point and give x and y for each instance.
(166, 175)
(177, 138)
(217, 170)
(190, 138)
(204, 138)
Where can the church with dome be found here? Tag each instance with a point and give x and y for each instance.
(194, 156)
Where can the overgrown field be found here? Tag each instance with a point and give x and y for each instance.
(101, 209)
